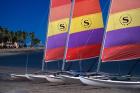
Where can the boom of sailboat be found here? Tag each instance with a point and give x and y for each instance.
(76, 32)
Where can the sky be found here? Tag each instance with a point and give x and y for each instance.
(31, 15)
(27, 15)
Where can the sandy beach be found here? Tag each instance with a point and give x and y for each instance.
(33, 87)
(29, 87)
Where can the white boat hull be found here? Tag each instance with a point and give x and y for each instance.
(17, 77)
(71, 79)
(109, 83)
(55, 79)
(37, 78)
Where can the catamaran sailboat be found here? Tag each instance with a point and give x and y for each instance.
(59, 17)
(58, 25)
(21, 77)
(57, 34)
(85, 34)
(32, 77)
(121, 44)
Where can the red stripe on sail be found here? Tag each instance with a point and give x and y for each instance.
(83, 52)
(54, 54)
(124, 5)
(119, 53)
(85, 7)
(55, 3)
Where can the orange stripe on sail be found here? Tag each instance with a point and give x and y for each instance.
(85, 7)
(123, 5)
(60, 12)
(56, 3)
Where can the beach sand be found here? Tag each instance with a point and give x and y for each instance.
(33, 87)
(30, 87)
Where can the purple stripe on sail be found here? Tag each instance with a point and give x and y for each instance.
(86, 38)
(123, 37)
(56, 41)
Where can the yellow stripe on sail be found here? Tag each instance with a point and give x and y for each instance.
(88, 22)
(58, 27)
(130, 18)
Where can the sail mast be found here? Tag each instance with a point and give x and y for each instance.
(27, 62)
(67, 40)
(104, 36)
(43, 61)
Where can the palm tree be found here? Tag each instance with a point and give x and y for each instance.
(11, 35)
(32, 36)
(19, 36)
(36, 41)
(1, 34)
(5, 35)
(24, 36)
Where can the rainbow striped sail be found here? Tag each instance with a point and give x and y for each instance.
(57, 29)
(86, 30)
(122, 40)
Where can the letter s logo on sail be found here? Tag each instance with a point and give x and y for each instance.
(62, 26)
(125, 19)
(86, 22)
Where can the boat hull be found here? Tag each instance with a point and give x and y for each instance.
(16, 77)
(55, 79)
(37, 78)
(71, 79)
(109, 83)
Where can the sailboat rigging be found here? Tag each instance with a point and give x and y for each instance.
(57, 34)
(86, 33)
(121, 43)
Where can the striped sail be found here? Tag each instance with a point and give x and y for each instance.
(57, 29)
(86, 30)
(122, 40)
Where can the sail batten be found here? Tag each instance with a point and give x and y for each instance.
(122, 40)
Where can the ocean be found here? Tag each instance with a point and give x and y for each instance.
(34, 60)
